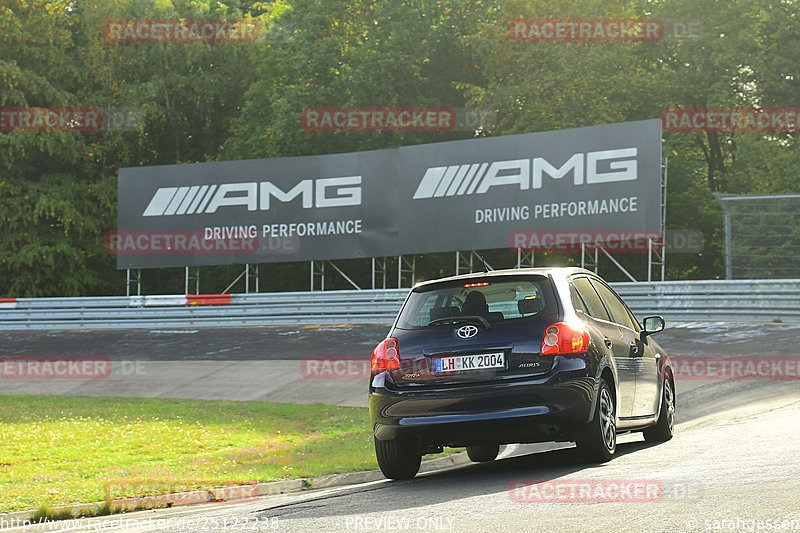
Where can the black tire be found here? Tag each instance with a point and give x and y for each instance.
(597, 441)
(665, 427)
(483, 453)
(397, 459)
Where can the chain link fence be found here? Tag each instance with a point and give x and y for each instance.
(762, 236)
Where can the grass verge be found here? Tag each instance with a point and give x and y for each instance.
(59, 450)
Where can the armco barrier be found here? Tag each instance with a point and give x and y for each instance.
(743, 301)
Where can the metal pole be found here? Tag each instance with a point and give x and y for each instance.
(664, 220)
(617, 263)
(399, 271)
(650, 259)
(728, 252)
(345, 276)
(312, 276)
(373, 273)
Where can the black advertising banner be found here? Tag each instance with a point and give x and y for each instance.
(515, 191)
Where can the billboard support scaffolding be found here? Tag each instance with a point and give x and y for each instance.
(657, 250)
(379, 271)
(410, 269)
(467, 266)
(589, 261)
(318, 272)
(133, 277)
(524, 259)
(235, 281)
(252, 274)
(188, 278)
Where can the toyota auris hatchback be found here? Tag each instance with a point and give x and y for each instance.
(516, 356)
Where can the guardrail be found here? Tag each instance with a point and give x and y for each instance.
(718, 300)
(209, 310)
(739, 300)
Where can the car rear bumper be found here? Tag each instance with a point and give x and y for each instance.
(534, 410)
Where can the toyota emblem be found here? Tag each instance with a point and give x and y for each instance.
(465, 332)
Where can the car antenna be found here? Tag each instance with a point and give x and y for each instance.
(485, 266)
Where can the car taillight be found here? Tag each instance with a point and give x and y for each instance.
(386, 355)
(561, 338)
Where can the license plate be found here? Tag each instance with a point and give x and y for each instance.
(470, 362)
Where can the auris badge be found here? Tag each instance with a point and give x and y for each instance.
(465, 332)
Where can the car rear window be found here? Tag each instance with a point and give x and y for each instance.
(496, 299)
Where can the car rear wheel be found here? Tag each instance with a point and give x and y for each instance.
(483, 453)
(665, 427)
(597, 442)
(397, 459)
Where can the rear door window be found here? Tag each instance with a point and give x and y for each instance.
(496, 298)
(616, 307)
(591, 301)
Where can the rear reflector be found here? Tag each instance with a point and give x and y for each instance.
(561, 338)
(386, 355)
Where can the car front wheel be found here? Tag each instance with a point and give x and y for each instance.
(597, 441)
(397, 459)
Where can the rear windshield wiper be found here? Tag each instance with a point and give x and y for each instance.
(470, 319)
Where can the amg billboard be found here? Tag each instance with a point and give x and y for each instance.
(458, 195)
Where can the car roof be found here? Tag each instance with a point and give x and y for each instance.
(552, 272)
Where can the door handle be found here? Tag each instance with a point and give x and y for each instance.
(634, 348)
(608, 342)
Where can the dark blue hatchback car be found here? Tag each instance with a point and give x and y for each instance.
(516, 356)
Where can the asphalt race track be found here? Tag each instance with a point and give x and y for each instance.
(732, 465)
(296, 342)
(272, 363)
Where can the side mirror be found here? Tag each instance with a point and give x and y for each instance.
(653, 324)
